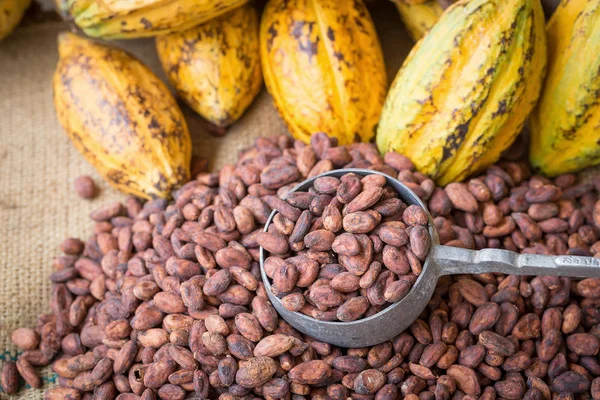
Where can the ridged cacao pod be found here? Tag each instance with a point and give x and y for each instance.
(465, 90)
(215, 67)
(123, 19)
(121, 117)
(564, 126)
(323, 65)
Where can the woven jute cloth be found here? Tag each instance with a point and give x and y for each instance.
(38, 164)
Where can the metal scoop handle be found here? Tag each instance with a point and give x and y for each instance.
(453, 260)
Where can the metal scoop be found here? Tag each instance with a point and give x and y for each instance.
(442, 260)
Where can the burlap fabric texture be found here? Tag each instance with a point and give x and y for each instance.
(38, 164)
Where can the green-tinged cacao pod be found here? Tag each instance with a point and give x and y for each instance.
(565, 126)
(323, 65)
(123, 19)
(466, 89)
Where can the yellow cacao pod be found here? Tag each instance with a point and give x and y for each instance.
(121, 117)
(565, 133)
(323, 66)
(466, 88)
(418, 18)
(11, 12)
(62, 8)
(123, 19)
(215, 67)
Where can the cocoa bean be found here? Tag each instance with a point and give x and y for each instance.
(274, 243)
(589, 287)
(26, 370)
(583, 344)
(227, 370)
(420, 242)
(248, 326)
(84, 187)
(125, 357)
(414, 215)
(274, 345)
(484, 318)
(25, 338)
(66, 394)
(352, 309)
(348, 189)
(10, 377)
(571, 382)
(366, 199)
(369, 381)
(319, 240)
(510, 389)
(359, 222)
(285, 277)
(397, 290)
(393, 236)
(473, 292)
(549, 345)
(496, 343)
(595, 389)
(310, 372)
(472, 356)
(360, 263)
(276, 176)
(528, 327)
(157, 373)
(256, 372)
(517, 362)
(395, 260)
(466, 379)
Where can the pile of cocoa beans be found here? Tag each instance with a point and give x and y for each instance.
(165, 299)
(339, 244)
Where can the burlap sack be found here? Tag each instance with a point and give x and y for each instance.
(38, 207)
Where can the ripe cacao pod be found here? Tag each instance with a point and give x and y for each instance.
(323, 65)
(565, 133)
(465, 90)
(121, 117)
(215, 67)
(11, 12)
(123, 19)
(419, 17)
